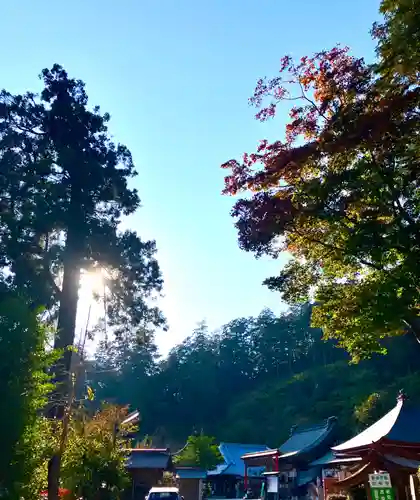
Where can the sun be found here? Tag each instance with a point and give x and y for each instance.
(92, 291)
(92, 283)
(91, 303)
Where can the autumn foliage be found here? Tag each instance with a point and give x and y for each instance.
(339, 191)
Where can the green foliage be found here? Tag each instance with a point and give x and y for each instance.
(398, 39)
(168, 479)
(39, 443)
(193, 388)
(200, 451)
(369, 410)
(94, 459)
(24, 385)
(121, 367)
(341, 390)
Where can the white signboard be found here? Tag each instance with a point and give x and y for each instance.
(330, 473)
(272, 484)
(381, 480)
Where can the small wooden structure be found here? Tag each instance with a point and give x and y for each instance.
(146, 467)
(190, 480)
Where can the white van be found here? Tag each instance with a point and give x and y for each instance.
(164, 493)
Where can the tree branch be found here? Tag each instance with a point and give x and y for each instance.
(342, 250)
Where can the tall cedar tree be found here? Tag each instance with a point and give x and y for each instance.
(63, 191)
(341, 192)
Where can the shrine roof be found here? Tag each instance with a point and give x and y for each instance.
(304, 439)
(398, 425)
(148, 458)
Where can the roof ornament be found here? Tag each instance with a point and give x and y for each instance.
(401, 396)
(293, 429)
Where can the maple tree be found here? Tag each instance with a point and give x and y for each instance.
(340, 192)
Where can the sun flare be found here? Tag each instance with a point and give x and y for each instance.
(91, 283)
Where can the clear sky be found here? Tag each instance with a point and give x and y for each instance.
(175, 77)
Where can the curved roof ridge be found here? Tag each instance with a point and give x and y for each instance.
(320, 425)
(374, 432)
(225, 449)
(305, 438)
(232, 454)
(250, 445)
(399, 425)
(176, 453)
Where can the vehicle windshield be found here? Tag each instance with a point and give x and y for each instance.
(163, 495)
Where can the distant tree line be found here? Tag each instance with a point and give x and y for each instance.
(251, 380)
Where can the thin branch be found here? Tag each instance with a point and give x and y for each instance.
(298, 98)
(306, 98)
(30, 131)
(51, 281)
(341, 250)
(412, 329)
(395, 195)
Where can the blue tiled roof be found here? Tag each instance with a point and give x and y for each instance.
(404, 462)
(190, 473)
(330, 458)
(148, 459)
(406, 428)
(399, 424)
(233, 463)
(306, 476)
(304, 439)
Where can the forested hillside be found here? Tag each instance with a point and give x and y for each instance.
(252, 379)
(338, 190)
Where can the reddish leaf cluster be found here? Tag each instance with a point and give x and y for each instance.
(261, 219)
(338, 109)
(324, 82)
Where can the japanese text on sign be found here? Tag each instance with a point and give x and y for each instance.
(382, 480)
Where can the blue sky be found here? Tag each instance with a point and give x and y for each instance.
(175, 77)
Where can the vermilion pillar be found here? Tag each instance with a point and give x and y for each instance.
(246, 477)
